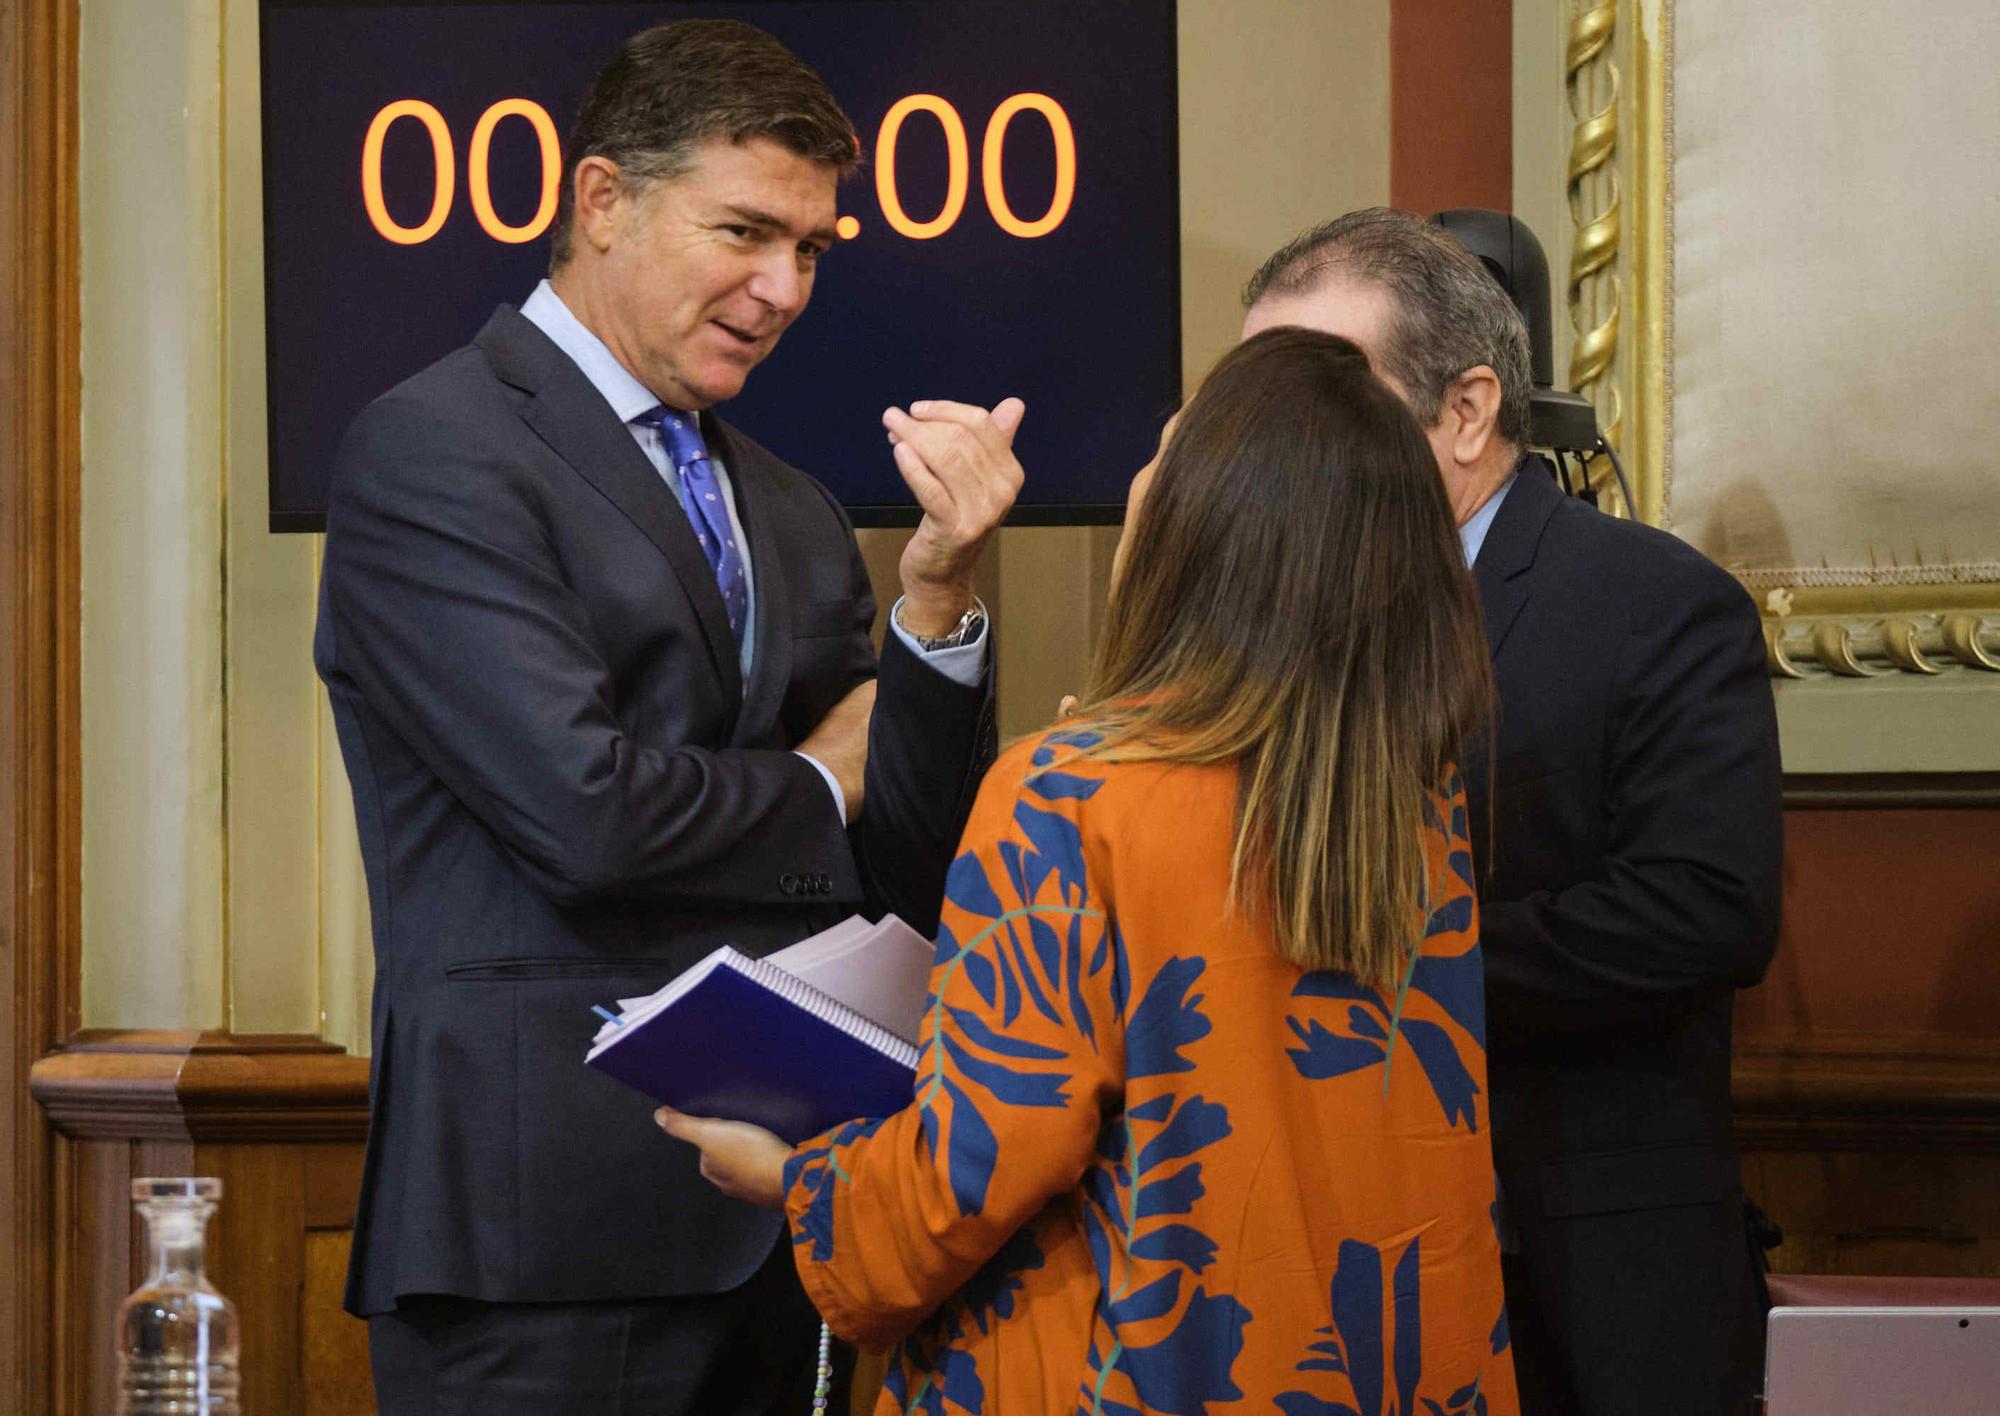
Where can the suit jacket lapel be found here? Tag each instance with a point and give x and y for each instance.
(771, 657)
(1508, 554)
(569, 414)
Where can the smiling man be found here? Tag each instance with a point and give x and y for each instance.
(602, 676)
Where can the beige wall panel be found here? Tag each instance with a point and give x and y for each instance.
(152, 515)
(1284, 123)
(272, 693)
(1047, 594)
(1890, 723)
(1542, 124)
(1834, 401)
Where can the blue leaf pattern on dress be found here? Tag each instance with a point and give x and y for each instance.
(1458, 984)
(1329, 1054)
(814, 1164)
(966, 886)
(972, 1153)
(1360, 1368)
(1452, 984)
(1174, 1195)
(1138, 1180)
(1166, 1021)
(1183, 1372)
(1453, 1084)
(996, 963)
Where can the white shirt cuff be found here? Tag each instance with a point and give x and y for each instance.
(832, 785)
(963, 664)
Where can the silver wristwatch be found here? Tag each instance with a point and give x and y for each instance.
(969, 627)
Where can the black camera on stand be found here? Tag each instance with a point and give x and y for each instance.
(1562, 424)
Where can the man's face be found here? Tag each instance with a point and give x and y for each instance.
(703, 272)
(1353, 310)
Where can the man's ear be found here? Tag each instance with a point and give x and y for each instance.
(599, 190)
(1473, 400)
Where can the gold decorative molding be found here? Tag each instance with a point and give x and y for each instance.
(1930, 645)
(1615, 82)
(1591, 82)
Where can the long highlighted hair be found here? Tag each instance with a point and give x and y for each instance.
(1293, 599)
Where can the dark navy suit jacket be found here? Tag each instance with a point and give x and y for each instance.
(566, 794)
(1629, 849)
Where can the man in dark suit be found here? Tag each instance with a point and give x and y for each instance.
(1629, 853)
(602, 676)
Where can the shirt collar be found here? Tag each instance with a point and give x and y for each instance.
(1472, 535)
(628, 398)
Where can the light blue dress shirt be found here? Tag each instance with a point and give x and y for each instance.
(631, 400)
(1472, 535)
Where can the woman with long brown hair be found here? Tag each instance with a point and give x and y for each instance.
(1200, 1117)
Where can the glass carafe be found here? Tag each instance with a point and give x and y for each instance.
(176, 1334)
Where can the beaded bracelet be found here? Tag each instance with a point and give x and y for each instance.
(823, 1378)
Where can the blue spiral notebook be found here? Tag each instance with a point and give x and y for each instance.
(800, 1041)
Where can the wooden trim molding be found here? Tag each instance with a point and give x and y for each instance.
(1849, 790)
(203, 1086)
(40, 875)
(1868, 1093)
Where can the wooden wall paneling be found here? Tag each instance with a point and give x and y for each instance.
(335, 1346)
(39, 396)
(107, 1261)
(281, 1122)
(257, 1257)
(337, 1380)
(1877, 1153)
(1451, 104)
(1866, 1212)
(1891, 920)
(333, 1184)
(1926, 1093)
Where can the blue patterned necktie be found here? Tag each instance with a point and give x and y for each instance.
(707, 512)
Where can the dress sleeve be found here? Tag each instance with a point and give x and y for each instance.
(1021, 1059)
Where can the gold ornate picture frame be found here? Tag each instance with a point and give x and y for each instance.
(1883, 664)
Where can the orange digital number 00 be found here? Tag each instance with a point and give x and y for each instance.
(478, 171)
(958, 165)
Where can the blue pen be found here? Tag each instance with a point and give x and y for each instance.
(608, 1016)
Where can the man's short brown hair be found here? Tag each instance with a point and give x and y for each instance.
(675, 86)
(1450, 313)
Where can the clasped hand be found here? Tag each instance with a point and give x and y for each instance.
(958, 461)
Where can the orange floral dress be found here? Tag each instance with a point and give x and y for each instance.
(1151, 1167)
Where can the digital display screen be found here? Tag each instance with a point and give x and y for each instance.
(1014, 229)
